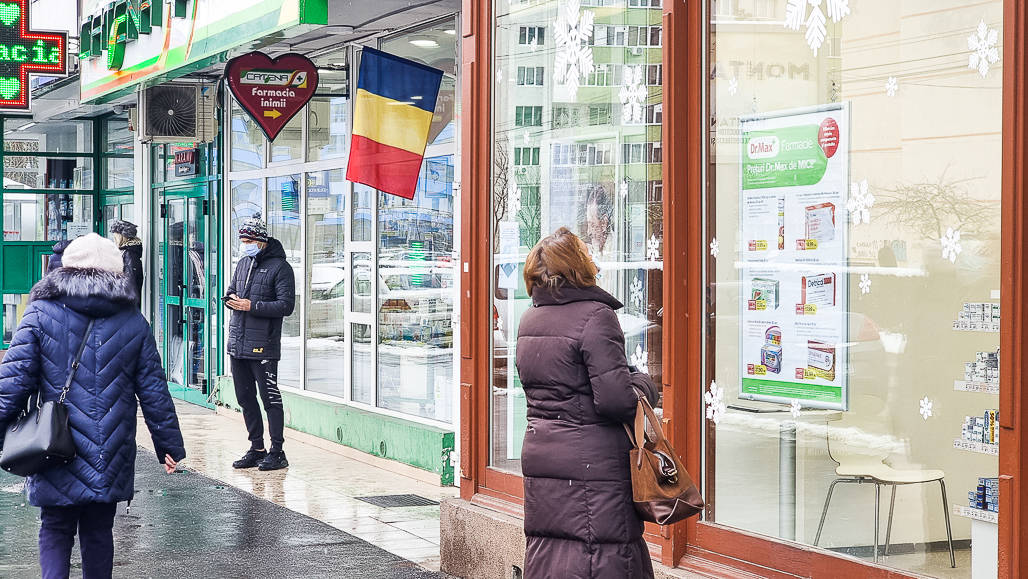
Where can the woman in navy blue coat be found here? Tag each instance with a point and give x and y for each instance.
(120, 367)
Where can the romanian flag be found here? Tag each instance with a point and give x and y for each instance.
(392, 114)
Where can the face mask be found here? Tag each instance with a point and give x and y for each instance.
(249, 249)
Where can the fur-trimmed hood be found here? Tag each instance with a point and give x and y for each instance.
(91, 292)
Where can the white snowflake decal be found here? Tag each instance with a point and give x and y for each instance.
(715, 401)
(514, 200)
(860, 203)
(733, 86)
(635, 292)
(951, 245)
(796, 409)
(653, 248)
(926, 408)
(499, 75)
(865, 283)
(983, 44)
(715, 248)
(639, 359)
(633, 94)
(796, 16)
(623, 188)
(891, 86)
(574, 59)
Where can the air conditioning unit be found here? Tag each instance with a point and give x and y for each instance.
(636, 50)
(178, 113)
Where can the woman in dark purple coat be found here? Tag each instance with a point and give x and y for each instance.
(579, 517)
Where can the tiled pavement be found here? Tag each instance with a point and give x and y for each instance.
(322, 481)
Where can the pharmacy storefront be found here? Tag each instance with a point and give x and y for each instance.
(368, 353)
(817, 236)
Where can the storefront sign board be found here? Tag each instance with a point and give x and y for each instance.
(128, 43)
(270, 90)
(24, 52)
(793, 218)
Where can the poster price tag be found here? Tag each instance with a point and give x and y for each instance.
(806, 309)
(758, 245)
(806, 244)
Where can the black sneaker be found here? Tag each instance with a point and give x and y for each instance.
(274, 461)
(251, 459)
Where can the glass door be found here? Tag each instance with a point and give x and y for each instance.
(185, 286)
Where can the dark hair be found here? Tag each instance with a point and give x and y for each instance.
(557, 259)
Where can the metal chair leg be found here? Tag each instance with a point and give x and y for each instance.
(824, 511)
(888, 526)
(949, 530)
(878, 500)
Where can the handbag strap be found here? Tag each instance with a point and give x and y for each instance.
(644, 412)
(75, 362)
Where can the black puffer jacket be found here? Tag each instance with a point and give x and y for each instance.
(267, 281)
(579, 516)
(132, 255)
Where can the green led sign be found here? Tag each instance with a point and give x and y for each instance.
(24, 52)
(109, 32)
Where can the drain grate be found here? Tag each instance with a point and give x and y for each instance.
(391, 501)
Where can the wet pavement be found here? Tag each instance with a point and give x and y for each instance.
(188, 525)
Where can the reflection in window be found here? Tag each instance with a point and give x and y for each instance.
(415, 302)
(284, 225)
(288, 145)
(48, 173)
(51, 217)
(248, 141)
(329, 128)
(247, 200)
(327, 287)
(28, 136)
(586, 163)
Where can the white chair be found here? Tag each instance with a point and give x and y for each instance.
(872, 469)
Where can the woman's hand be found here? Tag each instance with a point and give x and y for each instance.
(169, 464)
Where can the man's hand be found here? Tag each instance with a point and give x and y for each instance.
(169, 464)
(237, 303)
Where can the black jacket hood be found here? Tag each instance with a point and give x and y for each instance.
(92, 292)
(272, 250)
(567, 294)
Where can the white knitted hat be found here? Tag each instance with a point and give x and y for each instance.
(93, 252)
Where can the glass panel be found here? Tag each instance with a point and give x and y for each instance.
(326, 290)
(128, 212)
(120, 173)
(48, 173)
(52, 217)
(362, 364)
(196, 268)
(363, 283)
(284, 225)
(158, 280)
(855, 292)
(328, 120)
(176, 329)
(363, 197)
(14, 308)
(248, 142)
(196, 362)
(27, 136)
(175, 360)
(415, 262)
(288, 145)
(119, 137)
(247, 200)
(111, 213)
(587, 158)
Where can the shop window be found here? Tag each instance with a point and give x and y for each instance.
(288, 145)
(120, 173)
(327, 294)
(362, 364)
(248, 142)
(284, 225)
(328, 125)
(361, 224)
(247, 199)
(24, 172)
(587, 183)
(854, 278)
(50, 217)
(416, 297)
(28, 136)
(119, 139)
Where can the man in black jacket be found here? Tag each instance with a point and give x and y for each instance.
(261, 294)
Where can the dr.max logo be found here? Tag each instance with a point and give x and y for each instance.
(297, 78)
(764, 147)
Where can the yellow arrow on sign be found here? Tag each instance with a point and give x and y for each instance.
(273, 114)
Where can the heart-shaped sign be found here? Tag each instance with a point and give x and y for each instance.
(9, 13)
(270, 90)
(9, 87)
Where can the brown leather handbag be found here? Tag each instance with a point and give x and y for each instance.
(661, 488)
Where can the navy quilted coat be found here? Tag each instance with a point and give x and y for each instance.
(120, 364)
(579, 516)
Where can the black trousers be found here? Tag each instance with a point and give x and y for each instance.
(251, 377)
(94, 524)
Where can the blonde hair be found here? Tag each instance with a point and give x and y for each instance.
(559, 258)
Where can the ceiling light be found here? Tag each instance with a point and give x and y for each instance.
(424, 43)
(451, 32)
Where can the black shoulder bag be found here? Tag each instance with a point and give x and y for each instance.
(41, 438)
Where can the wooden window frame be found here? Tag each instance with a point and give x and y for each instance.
(694, 544)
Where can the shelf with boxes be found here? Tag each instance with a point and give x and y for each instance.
(981, 375)
(976, 514)
(980, 433)
(978, 317)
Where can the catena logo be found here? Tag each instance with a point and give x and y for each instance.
(764, 147)
(293, 78)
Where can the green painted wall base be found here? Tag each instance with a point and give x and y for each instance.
(426, 447)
